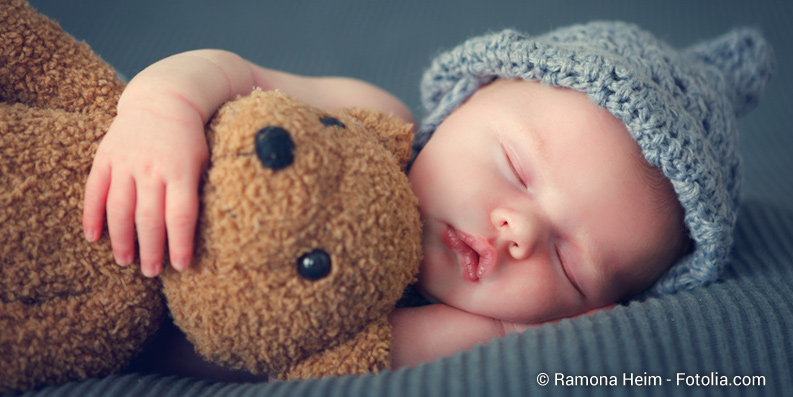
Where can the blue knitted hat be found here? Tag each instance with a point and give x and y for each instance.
(680, 106)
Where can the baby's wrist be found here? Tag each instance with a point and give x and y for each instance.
(141, 102)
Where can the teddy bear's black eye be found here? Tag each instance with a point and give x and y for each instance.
(314, 265)
(331, 122)
(274, 147)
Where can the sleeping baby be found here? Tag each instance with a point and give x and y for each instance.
(557, 175)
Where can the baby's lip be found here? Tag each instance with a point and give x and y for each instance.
(475, 255)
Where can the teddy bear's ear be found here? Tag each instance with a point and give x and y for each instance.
(395, 134)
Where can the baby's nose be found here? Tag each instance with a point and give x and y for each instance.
(518, 231)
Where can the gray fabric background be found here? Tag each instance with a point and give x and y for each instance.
(740, 326)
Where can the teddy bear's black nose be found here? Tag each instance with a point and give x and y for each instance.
(274, 147)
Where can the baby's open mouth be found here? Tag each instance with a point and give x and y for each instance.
(474, 255)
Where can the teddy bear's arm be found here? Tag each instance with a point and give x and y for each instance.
(42, 66)
(67, 311)
(368, 351)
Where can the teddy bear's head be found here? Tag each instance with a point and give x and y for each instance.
(308, 232)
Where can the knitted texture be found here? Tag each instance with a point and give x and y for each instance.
(680, 106)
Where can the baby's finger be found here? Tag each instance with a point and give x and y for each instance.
(149, 219)
(181, 209)
(96, 189)
(120, 218)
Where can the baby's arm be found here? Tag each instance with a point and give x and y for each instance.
(146, 170)
(425, 333)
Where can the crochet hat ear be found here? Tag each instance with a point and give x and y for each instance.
(746, 61)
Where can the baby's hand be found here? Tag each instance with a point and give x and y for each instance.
(145, 176)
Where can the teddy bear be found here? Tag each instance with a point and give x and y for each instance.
(308, 235)
(308, 231)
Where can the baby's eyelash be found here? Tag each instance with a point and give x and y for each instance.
(514, 169)
(558, 255)
(566, 270)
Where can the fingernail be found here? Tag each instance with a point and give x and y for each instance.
(124, 260)
(180, 264)
(92, 236)
(151, 270)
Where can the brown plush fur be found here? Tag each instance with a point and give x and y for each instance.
(345, 194)
(68, 312)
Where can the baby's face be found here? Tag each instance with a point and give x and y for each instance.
(536, 206)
